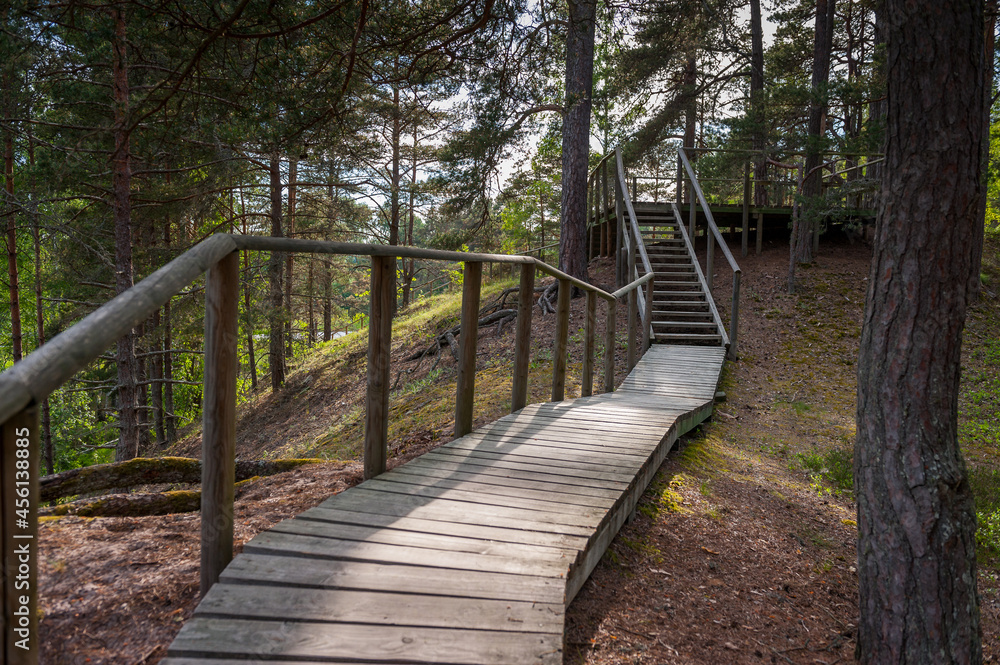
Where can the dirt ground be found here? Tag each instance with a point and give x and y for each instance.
(736, 555)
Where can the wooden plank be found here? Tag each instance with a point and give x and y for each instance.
(537, 481)
(560, 342)
(274, 542)
(556, 449)
(454, 510)
(638, 444)
(266, 640)
(542, 423)
(466, 383)
(522, 338)
(513, 471)
(427, 540)
(571, 505)
(381, 301)
(283, 571)
(490, 532)
(218, 450)
(578, 472)
(382, 607)
(537, 492)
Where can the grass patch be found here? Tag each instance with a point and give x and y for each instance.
(830, 472)
(985, 485)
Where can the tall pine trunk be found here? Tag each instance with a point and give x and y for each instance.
(757, 114)
(576, 136)
(812, 187)
(121, 178)
(276, 354)
(916, 518)
(293, 174)
(11, 226)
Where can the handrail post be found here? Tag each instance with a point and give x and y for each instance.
(522, 338)
(746, 207)
(734, 319)
(609, 346)
(218, 440)
(606, 235)
(633, 304)
(19, 537)
(381, 297)
(562, 337)
(620, 233)
(692, 212)
(590, 323)
(710, 257)
(466, 388)
(647, 328)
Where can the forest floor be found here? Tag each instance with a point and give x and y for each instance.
(743, 547)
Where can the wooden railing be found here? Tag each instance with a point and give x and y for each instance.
(713, 235)
(29, 381)
(628, 246)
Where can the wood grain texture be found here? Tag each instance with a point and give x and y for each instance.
(472, 279)
(381, 300)
(522, 338)
(467, 554)
(218, 449)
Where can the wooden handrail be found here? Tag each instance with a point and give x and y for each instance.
(29, 381)
(717, 236)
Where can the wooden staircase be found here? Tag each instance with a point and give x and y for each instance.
(682, 305)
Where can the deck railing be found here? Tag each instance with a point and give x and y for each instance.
(29, 381)
(713, 235)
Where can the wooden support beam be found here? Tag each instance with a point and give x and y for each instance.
(633, 305)
(620, 239)
(19, 537)
(760, 232)
(561, 340)
(522, 338)
(609, 347)
(746, 206)
(472, 279)
(218, 439)
(734, 320)
(382, 298)
(589, 325)
(647, 319)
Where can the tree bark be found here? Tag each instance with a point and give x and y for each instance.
(121, 178)
(576, 136)
(276, 354)
(169, 418)
(757, 116)
(293, 174)
(11, 228)
(916, 519)
(989, 52)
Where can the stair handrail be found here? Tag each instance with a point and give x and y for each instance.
(634, 235)
(29, 381)
(715, 236)
(701, 276)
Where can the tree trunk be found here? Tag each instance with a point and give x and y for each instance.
(276, 355)
(812, 187)
(757, 114)
(916, 519)
(690, 117)
(293, 174)
(121, 177)
(47, 450)
(989, 52)
(11, 235)
(576, 137)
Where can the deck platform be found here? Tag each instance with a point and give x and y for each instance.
(467, 554)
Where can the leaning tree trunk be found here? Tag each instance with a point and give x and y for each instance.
(576, 136)
(916, 521)
(121, 178)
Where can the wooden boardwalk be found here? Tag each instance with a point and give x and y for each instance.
(468, 554)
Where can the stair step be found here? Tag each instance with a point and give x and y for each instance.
(684, 324)
(692, 283)
(689, 337)
(673, 305)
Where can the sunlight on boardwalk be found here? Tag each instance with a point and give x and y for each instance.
(468, 554)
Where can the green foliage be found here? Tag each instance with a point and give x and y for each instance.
(831, 471)
(985, 483)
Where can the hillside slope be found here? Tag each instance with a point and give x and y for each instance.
(742, 550)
